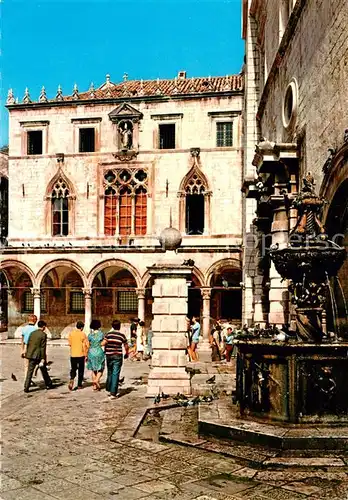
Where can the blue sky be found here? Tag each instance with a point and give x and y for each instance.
(67, 41)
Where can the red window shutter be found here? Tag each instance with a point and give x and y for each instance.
(140, 211)
(110, 214)
(125, 212)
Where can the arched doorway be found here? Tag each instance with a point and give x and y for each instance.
(62, 301)
(17, 300)
(114, 294)
(194, 302)
(226, 292)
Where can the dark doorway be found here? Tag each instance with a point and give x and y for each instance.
(231, 304)
(194, 302)
(194, 213)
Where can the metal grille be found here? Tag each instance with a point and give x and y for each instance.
(28, 302)
(77, 302)
(224, 134)
(127, 301)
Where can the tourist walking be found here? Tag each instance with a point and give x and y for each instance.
(196, 331)
(115, 341)
(27, 330)
(36, 356)
(216, 341)
(78, 352)
(96, 356)
(229, 343)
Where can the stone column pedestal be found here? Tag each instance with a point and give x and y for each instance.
(37, 302)
(88, 308)
(170, 295)
(141, 303)
(204, 347)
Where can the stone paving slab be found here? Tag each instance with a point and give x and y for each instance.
(60, 448)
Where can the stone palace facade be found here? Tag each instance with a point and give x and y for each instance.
(94, 177)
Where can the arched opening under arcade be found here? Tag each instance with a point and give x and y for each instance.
(114, 293)
(16, 297)
(62, 301)
(226, 291)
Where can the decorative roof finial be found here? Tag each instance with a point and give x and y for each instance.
(59, 95)
(175, 90)
(26, 98)
(10, 97)
(192, 87)
(228, 83)
(91, 91)
(75, 93)
(43, 96)
(107, 79)
(141, 91)
(158, 90)
(125, 77)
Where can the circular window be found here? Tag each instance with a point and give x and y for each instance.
(290, 104)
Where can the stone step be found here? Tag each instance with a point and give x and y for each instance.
(220, 418)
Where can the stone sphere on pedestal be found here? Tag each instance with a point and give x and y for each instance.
(170, 238)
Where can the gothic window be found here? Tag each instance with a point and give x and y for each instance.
(194, 194)
(125, 202)
(60, 208)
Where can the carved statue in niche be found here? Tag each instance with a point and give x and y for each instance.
(126, 134)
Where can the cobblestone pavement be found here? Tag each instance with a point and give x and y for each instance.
(78, 445)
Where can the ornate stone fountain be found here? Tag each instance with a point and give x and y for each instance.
(309, 261)
(304, 378)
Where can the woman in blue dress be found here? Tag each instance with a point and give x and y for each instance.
(96, 356)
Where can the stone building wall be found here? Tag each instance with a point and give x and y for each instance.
(37, 262)
(221, 166)
(297, 106)
(316, 56)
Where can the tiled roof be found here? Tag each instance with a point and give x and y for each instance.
(134, 88)
(140, 88)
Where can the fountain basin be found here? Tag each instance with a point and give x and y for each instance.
(292, 382)
(316, 262)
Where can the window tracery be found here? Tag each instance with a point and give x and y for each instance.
(125, 202)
